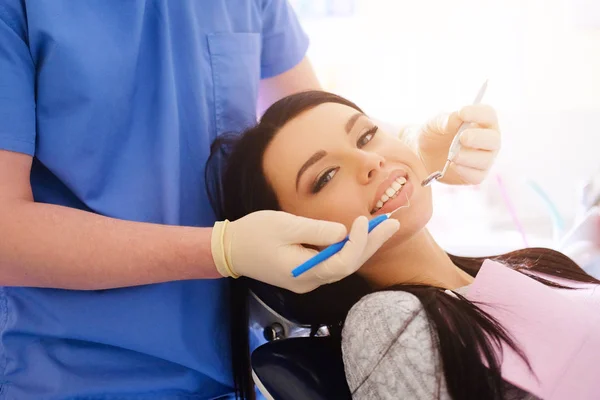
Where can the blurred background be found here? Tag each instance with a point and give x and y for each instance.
(405, 61)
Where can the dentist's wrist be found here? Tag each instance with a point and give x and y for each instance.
(221, 250)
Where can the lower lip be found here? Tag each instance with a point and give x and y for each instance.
(400, 200)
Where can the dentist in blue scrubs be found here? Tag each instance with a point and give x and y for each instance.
(110, 255)
(109, 264)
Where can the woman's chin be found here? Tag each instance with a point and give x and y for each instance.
(413, 219)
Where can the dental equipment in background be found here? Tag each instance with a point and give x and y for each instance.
(455, 146)
(336, 247)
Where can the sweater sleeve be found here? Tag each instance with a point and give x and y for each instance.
(390, 350)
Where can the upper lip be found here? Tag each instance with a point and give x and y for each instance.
(386, 184)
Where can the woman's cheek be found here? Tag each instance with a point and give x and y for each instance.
(329, 210)
(426, 207)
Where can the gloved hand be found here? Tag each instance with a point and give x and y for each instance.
(267, 246)
(480, 143)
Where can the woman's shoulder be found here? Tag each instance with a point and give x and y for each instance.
(381, 305)
(389, 347)
(381, 317)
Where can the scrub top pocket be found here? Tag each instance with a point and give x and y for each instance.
(235, 62)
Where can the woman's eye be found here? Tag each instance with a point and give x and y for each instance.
(366, 137)
(324, 180)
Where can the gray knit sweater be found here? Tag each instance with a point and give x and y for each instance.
(390, 351)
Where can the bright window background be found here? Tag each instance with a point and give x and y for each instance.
(405, 61)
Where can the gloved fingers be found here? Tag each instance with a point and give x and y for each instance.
(476, 159)
(346, 261)
(482, 139)
(311, 231)
(470, 175)
(442, 124)
(453, 123)
(290, 257)
(378, 236)
(480, 114)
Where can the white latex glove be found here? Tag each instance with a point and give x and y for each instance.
(267, 246)
(480, 143)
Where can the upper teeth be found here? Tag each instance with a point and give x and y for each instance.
(390, 192)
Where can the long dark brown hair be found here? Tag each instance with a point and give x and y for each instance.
(237, 186)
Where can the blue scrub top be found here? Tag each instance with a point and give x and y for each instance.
(118, 102)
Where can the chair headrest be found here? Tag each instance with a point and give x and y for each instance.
(309, 368)
(315, 307)
(275, 299)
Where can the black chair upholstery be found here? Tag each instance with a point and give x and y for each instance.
(307, 368)
(298, 368)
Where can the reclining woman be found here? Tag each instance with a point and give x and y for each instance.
(414, 321)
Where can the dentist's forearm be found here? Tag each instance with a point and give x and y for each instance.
(300, 78)
(44, 245)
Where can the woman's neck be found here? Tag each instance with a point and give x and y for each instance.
(419, 260)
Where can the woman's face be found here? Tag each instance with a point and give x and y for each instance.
(333, 163)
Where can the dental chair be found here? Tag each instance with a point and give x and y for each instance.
(292, 364)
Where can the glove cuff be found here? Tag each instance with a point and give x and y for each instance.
(217, 247)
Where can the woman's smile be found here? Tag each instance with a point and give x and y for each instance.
(389, 190)
(400, 199)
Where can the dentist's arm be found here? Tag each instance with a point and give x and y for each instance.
(44, 245)
(300, 78)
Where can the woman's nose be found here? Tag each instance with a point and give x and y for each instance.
(370, 165)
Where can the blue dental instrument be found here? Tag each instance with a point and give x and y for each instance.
(334, 248)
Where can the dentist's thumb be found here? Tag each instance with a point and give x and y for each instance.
(378, 236)
(443, 124)
(359, 248)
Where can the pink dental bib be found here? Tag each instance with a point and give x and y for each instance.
(558, 329)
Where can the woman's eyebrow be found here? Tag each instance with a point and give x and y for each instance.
(313, 159)
(322, 153)
(352, 121)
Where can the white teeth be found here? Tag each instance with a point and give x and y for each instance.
(390, 193)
